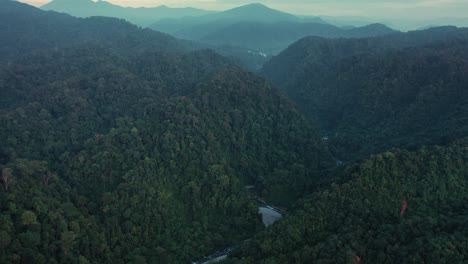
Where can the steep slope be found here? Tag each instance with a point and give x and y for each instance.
(132, 158)
(370, 95)
(162, 173)
(315, 50)
(37, 30)
(396, 207)
(139, 16)
(26, 29)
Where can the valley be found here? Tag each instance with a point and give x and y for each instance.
(240, 135)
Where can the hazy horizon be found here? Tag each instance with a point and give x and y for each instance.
(384, 9)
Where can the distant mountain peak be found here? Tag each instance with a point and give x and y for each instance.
(74, 1)
(253, 6)
(61, 3)
(256, 5)
(259, 12)
(377, 25)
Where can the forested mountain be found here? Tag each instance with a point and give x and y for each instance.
(396, 207)
(124, 145)
(197, 27)
(403, 24)
(113, 156)
(272, 38)
(258, 27)
(25, 29)
(369, 95)
(139, 16)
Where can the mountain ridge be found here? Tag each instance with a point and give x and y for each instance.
(272, 38)
(397, 206)
(115, 155)
(259, 28)
(41, 30)
(142, 16)
(369, 95)
(216, 21)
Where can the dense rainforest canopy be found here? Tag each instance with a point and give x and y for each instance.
(126, 145)
(110, 156)
(25, 29)
(395, 207)
(369, 95)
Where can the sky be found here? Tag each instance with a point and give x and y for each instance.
(402, 9)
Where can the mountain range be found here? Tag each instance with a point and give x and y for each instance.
(272, 38)
(187, 27)
(53, 30)
(406, 24)
(255, 27)
(395, 109)
(147, 16)
(40, 30)
(140, 16)
(372, 94)
(258, 27)
(126, 145)
(112, 154)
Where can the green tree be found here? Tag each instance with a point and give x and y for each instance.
(6, 174)
(28, 218)
(5, 239)
(67, 240)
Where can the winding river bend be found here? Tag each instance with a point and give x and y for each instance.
(269, 214)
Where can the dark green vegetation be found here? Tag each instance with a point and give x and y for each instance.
(25, 29)
(139, 16)
(248, 34)
(28, 29)
(259, 28)
(112, 155)
(369, 95)
(362, 216)
(125, 145)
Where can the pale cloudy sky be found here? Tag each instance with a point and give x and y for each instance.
(407, 9)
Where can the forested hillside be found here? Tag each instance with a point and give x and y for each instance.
(125, 145)
(314, 51)
(25, 29)
(396, 207)
(114, 156)
(369, 95)
(143, 16)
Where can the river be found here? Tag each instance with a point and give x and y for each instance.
(269, 216)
